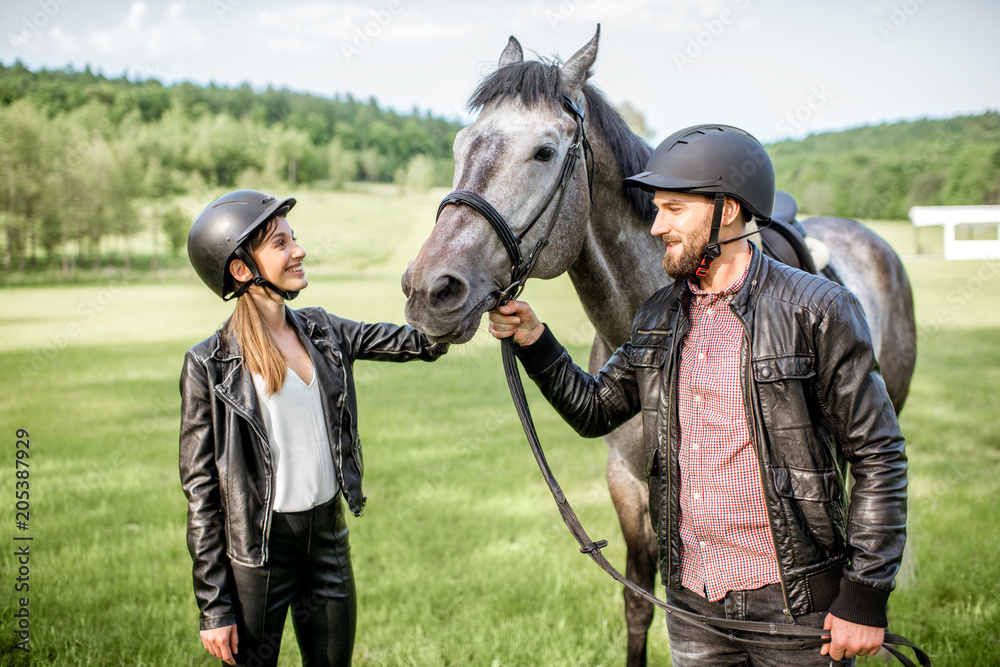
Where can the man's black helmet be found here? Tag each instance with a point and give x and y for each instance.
(712, 159)
(222, 228)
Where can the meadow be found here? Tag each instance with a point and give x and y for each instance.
(461, 558)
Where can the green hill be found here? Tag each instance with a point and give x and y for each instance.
(880, 171)
(81, 153)
(85, 159)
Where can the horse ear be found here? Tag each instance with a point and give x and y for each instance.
(512, 54)
(576, 71)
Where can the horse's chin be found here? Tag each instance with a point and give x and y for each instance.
(457, 334)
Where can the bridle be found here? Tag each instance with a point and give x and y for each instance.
(520, 266)
(800, 637)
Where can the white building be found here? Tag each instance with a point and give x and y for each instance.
(954, 217)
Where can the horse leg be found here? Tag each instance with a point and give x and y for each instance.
(631, 498)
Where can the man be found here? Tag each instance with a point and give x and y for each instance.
(756, 383)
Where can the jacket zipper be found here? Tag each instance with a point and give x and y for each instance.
(338, 448)
(338, 464)
(752, 415)
(676, 328)
(267, 454)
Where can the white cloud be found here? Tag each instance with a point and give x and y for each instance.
(137, 35)
(136, 13)
(318, 20)
(638, 16)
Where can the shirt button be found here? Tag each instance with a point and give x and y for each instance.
(701, 543)
(709, 311)
(701, 355)
(694, 447)
(697, 398)
(696, 496)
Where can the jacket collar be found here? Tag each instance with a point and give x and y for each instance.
(237, 385)
(742, 299)
(304, 325)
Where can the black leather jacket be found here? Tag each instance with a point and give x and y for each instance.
(814, 399)
(225, 461)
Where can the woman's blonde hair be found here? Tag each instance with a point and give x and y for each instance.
(260, 354)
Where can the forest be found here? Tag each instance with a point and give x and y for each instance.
(82, 154)
(880, 171)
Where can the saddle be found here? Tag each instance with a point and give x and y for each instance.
(784, 239)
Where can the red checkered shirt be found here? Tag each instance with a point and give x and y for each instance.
(726, 540)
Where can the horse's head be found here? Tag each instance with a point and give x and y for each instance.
(512, 156)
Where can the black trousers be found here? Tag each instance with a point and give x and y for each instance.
(308, 569)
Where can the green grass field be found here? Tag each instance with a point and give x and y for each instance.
(462, 558)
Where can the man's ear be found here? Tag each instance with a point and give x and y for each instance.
(732, 211)
(239, 271)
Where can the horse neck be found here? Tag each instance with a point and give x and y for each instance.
(620, 264)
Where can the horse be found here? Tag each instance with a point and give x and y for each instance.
(510, 156)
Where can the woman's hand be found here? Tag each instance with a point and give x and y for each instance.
(221, 642)
(515, 318)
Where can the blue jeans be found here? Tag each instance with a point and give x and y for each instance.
(691, 645)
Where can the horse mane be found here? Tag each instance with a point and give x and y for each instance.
(533, 82)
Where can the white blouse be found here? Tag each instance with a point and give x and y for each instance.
(300, 447)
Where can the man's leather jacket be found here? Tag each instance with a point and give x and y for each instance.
(225, 460)
(814, 399)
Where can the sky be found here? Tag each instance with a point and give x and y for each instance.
(776, 69)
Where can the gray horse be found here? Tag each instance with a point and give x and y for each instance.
(511, 156)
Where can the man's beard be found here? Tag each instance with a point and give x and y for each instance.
(684, 267)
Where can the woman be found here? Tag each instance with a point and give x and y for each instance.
(269, 443)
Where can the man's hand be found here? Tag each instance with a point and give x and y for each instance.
(515, 318)
(850, 639)
(221, 642)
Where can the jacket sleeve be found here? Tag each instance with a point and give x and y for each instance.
(854, 400)
(390, 342)
(592, 405)
(206, 539)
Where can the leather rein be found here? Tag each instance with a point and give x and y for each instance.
(804, 637)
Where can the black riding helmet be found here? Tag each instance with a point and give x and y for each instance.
(715, 160)
(710, 159)
(219, 232)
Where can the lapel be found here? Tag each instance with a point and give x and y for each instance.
(237, 387)
(323, 354)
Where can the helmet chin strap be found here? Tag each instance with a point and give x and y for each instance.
(714, 247)
(258, 279)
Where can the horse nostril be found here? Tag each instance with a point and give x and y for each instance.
(405, 283)
(448, 292)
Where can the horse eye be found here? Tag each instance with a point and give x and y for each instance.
(545, 154)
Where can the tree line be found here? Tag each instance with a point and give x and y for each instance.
(880, 171)
(79, 153)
